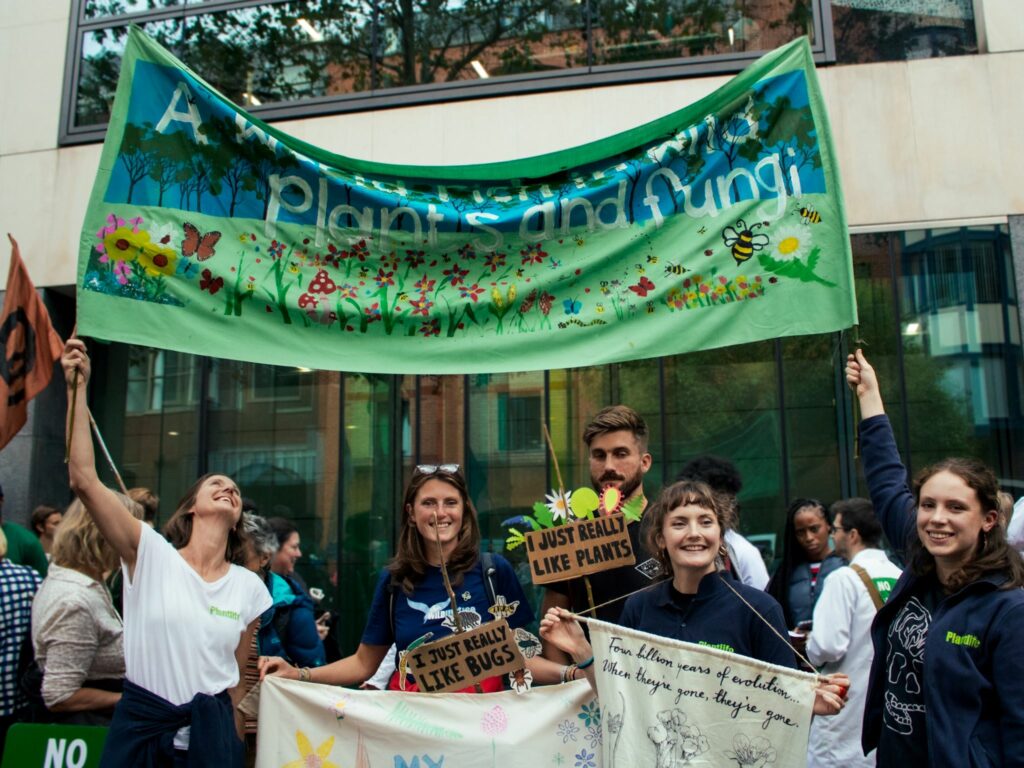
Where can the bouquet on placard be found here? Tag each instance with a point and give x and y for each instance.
(561, 507)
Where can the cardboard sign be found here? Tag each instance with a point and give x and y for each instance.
(463, 659)
(578, 548)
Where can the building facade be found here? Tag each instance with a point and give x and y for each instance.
(925, 97)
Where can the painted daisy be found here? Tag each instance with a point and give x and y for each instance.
(558, 503)
(790, 242)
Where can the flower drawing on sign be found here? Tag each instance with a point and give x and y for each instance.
(309, 757)
(494, 723)
(751, 753)
(568, 731)
(676, 741)
(585, 759)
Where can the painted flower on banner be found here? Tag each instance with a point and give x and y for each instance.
(470, 292)
(124, 243)
(585, 759)
(309, 757)
(790, 243)
(590, 714)
(157, 260)
(123, 271)
(568, 730)
(494, 721)
(558, 503)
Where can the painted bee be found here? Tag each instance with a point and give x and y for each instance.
(403, 297)
(650, 307)
(364, 272)
(743, 241)
(640, 269)
(809, 215)
(675, 269)
(520, 272)
(702, 230)
(652, 259)
(579, 240)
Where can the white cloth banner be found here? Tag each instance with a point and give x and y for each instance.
(305, 725)
(668, 704)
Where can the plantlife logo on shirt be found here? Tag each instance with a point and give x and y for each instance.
(211, 232)
(215, 611)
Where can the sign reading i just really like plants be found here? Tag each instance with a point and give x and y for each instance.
(211, 232)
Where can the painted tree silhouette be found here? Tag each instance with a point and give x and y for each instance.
(134, 155)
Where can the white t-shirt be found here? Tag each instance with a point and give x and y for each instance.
(180, 632)
(747, 560)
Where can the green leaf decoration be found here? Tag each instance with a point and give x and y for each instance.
(543, 515)
(534, 525)
(583, 503)
(633, 509)
(795, 268)
(515, 539)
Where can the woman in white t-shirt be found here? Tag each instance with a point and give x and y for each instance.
(189, 612)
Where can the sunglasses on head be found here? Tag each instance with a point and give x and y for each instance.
(433, 469)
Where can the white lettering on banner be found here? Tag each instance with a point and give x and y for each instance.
(666, 703)
(171, 114)
(76, 755)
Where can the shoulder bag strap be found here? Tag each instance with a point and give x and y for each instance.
(872, 589)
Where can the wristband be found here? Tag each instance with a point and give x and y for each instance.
(306, 677)
(569, 673)
(585, 664)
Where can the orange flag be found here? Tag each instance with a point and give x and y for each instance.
(30, 347)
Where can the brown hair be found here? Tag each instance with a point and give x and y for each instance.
(674, 496)
(410, 562)
(617, 418)
(78, 543)
(178, 530)
(150, 502)
(993, 554)
(39, 517)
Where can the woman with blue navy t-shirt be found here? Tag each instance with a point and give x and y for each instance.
(701, 603)
(945, 687)
(411, 601)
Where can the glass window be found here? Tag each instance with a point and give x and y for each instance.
(896, 30)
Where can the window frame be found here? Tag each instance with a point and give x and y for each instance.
(417, 95)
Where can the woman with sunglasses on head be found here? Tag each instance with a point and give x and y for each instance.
(700, 602)
(945, 686)
(411, 601)
(189, 613)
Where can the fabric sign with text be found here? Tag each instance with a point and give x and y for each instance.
(211, 232)
(667, 704)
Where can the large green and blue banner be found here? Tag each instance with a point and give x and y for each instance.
(211, 232)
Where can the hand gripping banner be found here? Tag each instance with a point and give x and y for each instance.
(211, 232)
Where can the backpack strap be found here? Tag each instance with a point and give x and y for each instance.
(489, 569)
(876, 598)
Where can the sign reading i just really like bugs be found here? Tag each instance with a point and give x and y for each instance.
(211, 232)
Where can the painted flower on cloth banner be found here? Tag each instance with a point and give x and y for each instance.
(751, 753)
(309, 757)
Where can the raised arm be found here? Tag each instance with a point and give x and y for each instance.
(884, 471)
(113, 519)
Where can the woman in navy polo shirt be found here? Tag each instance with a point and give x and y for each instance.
(411, 599)
(701, 602)
(945, 687)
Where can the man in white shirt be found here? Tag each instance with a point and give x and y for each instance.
(841, 638)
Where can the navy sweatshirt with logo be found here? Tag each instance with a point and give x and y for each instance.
(972, 676)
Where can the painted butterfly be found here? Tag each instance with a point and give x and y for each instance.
(209, 283)
(642, 288)
(195, 244)
(572, 306)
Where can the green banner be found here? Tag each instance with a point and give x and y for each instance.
(211, 232)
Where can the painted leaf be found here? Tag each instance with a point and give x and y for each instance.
(584, 503)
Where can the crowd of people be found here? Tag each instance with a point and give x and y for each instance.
(202, 612)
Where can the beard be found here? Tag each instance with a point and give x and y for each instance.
(627, 485)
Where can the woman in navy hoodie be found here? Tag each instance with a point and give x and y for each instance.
(945, 687)
(700, 603)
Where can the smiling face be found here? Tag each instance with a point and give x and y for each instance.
(218, 495)
(950, 521)
(812, 532)
(286, 556)
(692, 536)
(617, 458)
(443, 500)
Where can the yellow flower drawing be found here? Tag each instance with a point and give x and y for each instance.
(308, 758)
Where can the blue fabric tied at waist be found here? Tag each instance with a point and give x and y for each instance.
(142, 733)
